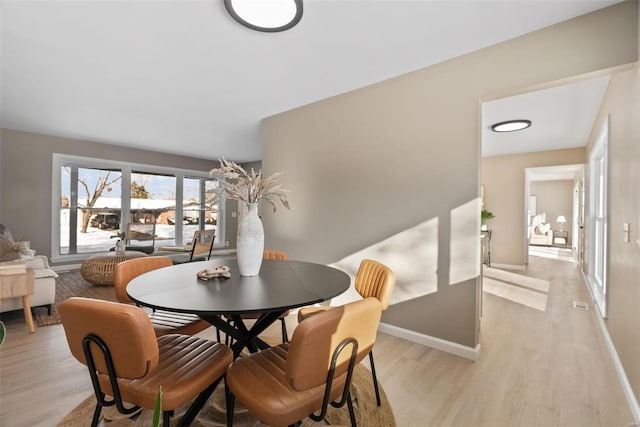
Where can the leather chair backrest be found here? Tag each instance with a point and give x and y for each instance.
(375, 280)
(315, 339)
(126, 271)
(279, 255)
(203, 242)
(126, 330)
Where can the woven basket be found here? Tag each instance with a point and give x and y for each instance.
(98, 269)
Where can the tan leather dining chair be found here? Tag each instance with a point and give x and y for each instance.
(282, 256)
(283, 385)
(128, 363)
(372, 280)
(164, 322)
(271, 254)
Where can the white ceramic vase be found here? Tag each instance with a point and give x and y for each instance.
(120, 247)
(250, 242)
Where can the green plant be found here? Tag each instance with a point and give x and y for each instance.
(486, 215)
(158, 409)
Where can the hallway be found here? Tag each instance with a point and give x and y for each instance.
(536, 368)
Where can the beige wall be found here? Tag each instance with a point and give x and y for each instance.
(504, 181)
(25, 179)
(622, 102)
(373, 162)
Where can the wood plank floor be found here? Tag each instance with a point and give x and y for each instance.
(537, 368)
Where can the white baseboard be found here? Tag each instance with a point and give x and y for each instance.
(433, 342)
(632, 400)
(507, 266)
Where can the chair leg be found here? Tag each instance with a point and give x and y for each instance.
(96, 415)
(285, 336)
(230, 400)
(352, 414)
(197, 404)
(375, 378)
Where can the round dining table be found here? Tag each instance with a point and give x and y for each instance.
(280, 285)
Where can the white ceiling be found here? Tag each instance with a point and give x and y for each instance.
(561, 117)
(183, 77)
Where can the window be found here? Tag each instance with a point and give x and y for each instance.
(92, 205)
(200, 205)
(598, 207)
(153, 200)
(90, 199)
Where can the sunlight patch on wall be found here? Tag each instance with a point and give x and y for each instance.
(412, 254)
(465, 242)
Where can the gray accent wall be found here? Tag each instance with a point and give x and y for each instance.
(25, 179)
(370, 163)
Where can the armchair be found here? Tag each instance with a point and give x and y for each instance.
(44, 291)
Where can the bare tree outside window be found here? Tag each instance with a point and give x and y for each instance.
(103, 181)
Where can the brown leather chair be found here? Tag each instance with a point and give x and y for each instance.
(277, 255)
(372, 280)
(285, 384)
(271, 254)
(164, 322)
(126, 360)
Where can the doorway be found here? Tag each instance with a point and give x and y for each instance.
(552, 213)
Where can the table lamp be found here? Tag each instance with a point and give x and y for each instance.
(561, 221)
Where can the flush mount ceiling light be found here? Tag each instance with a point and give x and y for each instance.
(270, 16)
(511, 125)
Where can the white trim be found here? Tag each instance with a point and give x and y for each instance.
(598, 259)
(632, 400)
(433, 342)
(507, 266)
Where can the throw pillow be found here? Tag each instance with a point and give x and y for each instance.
(10, 250)
(544, 228)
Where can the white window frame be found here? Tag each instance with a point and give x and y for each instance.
(87, 162)
(598, 218)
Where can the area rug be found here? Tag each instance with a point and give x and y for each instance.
(71, 284)
(368, 414)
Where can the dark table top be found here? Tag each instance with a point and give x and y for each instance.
(281, 285)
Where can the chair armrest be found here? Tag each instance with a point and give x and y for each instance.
(38, 262)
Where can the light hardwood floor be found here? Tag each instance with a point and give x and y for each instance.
(537, 368)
